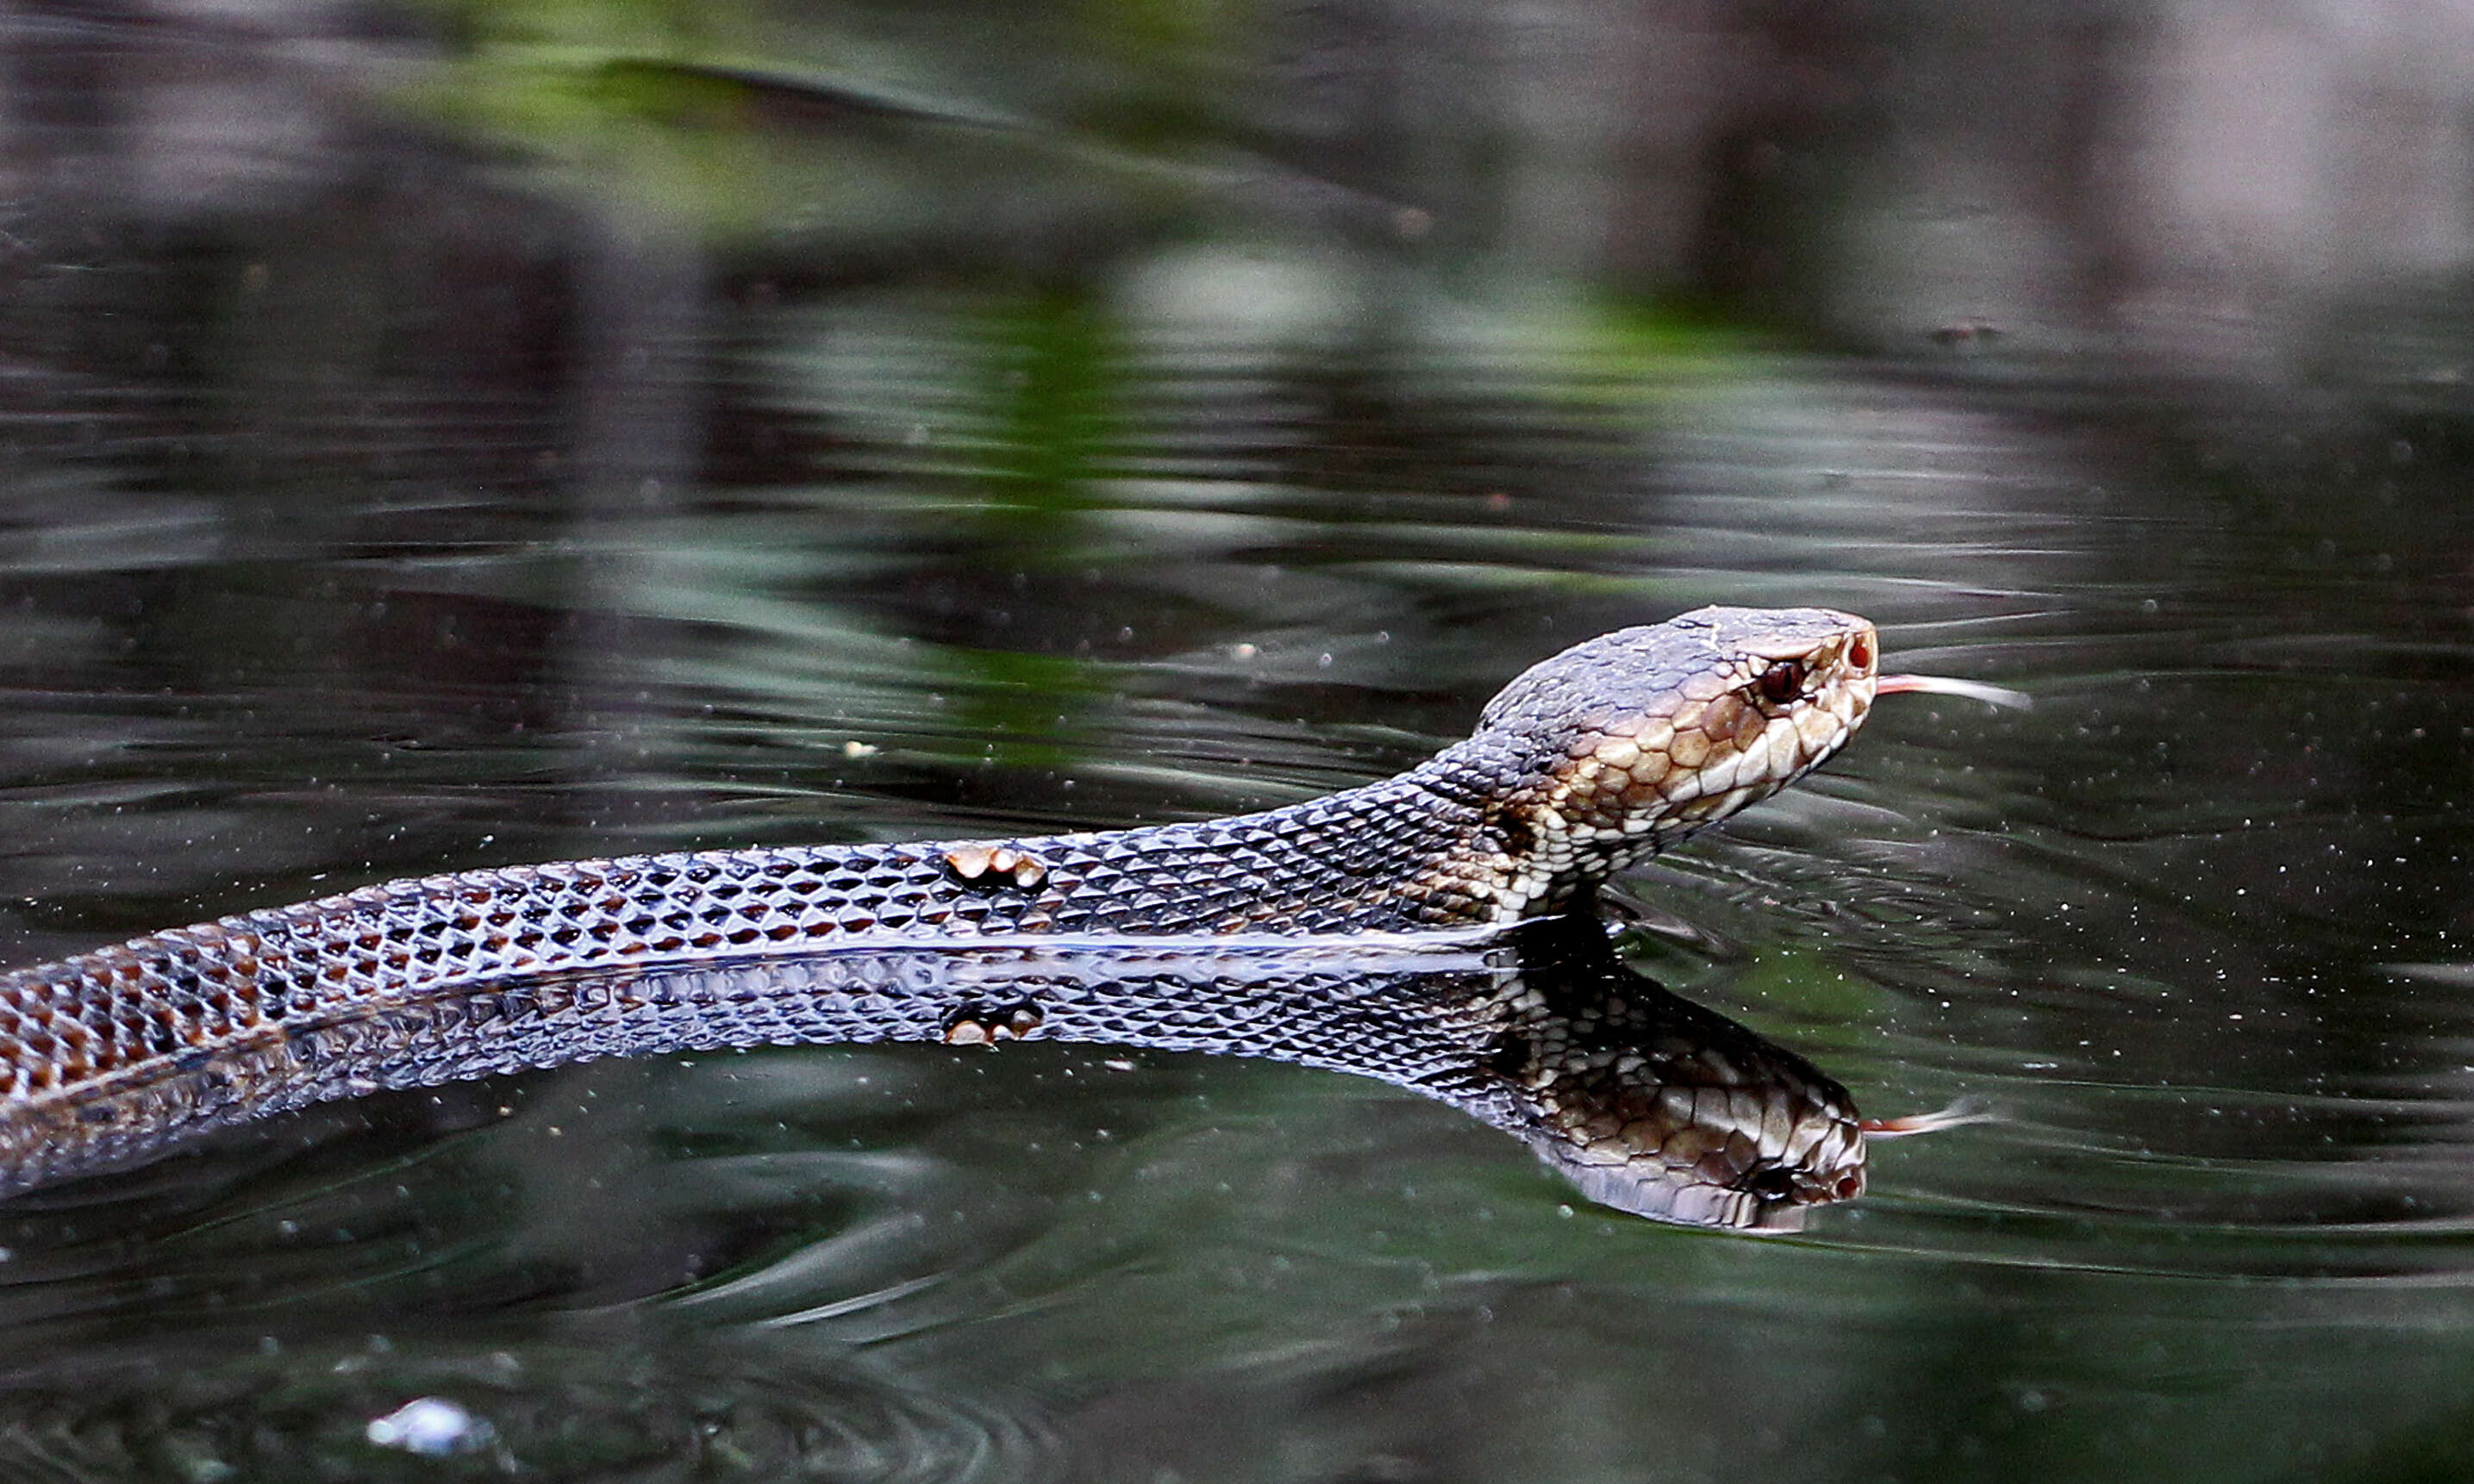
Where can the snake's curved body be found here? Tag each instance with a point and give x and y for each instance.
(1591, 760)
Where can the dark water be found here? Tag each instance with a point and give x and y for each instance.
(430, 441)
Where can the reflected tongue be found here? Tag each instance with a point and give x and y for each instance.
(1946, 685)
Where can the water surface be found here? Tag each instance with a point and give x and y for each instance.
(406, 508)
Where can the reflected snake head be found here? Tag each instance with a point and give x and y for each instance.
(1754, 1157)
(1656, 1105)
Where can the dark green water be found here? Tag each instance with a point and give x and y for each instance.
(475, 453)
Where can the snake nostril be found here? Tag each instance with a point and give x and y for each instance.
(1859, 652)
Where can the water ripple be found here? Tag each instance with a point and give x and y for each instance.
(632, 1403)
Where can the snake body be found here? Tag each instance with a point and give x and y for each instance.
(1587, 762)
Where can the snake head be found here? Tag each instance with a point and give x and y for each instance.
(1636, 738)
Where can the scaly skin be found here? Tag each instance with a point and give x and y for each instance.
(1588, 763)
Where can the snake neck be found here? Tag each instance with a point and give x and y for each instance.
(1485, 833)
(1524, 843)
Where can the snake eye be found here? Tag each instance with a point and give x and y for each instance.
(1771, 1182)
(1783, 682)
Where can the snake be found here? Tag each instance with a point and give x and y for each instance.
(1585, 764)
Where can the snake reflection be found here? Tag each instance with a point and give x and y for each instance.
(1646, 1102)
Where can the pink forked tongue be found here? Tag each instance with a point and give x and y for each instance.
(1958, 1114)
(1946, 685)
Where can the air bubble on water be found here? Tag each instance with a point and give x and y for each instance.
(430, 1427)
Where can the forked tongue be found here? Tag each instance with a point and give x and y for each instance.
(1958, 1114)
(1948, 685)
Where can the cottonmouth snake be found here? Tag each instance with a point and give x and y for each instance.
(1591, 760)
